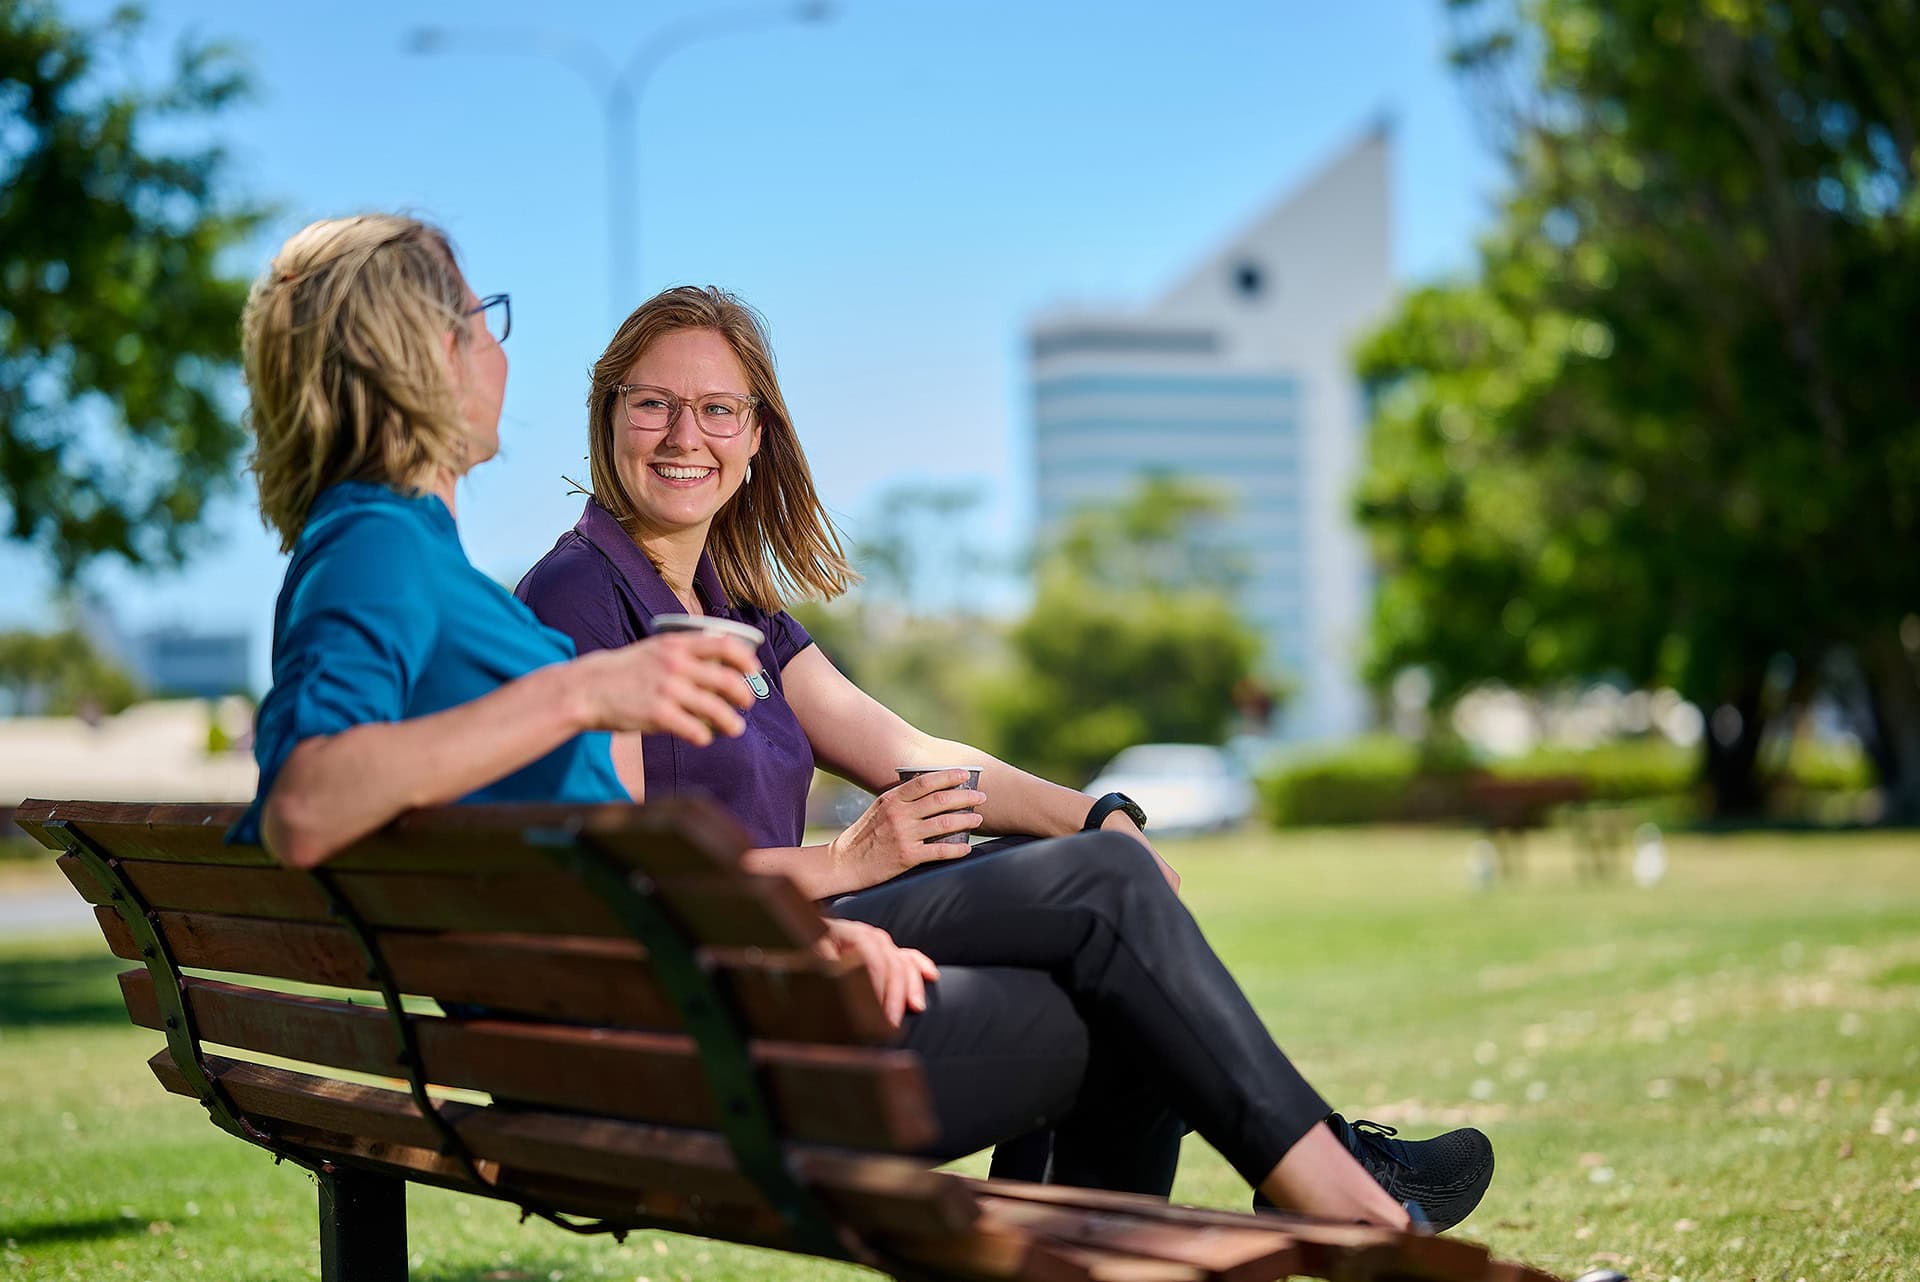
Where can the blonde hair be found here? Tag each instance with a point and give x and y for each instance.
(774, 541)
(346, 373)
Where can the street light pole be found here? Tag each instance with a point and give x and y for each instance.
(619, 90)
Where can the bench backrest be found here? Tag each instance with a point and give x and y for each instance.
(1523, 802)
(566, 939)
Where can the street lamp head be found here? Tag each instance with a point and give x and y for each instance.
(424, 40)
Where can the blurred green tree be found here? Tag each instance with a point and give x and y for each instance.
(914, 634)
(1132, 636)
(117, 325)
(61, 674)
(929, 669)
(1672, 431)
(921, 551)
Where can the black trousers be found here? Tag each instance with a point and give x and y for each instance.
(1078, 993)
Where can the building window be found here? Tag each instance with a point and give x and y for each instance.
(1249, 279)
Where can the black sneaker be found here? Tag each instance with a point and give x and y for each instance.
(1439, 1180)
(1445, 1176)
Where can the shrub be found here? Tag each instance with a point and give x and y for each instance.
(1382, 779)
(1625, 770)
(1369, 780)
(1828, 767)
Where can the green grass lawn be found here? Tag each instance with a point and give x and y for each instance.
(1718, 1078)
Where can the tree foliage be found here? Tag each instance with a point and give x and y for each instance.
(1672, 430)
(61, 674)
(929, 669)
(118, 327)
(921, 552)
(1132, 637)
(914, 634)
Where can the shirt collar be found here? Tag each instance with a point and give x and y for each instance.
(599, 527)
(347, 494)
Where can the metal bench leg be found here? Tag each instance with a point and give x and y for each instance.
(363, 1227)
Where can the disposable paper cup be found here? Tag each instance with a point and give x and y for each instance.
(973, 781)
(707, 623)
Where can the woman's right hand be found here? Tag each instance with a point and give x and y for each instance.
(688, 684)
(891, 836)
(900, 975)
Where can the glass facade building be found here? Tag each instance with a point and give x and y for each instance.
(1239, 378)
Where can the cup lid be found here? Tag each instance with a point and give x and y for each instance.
(708, 623)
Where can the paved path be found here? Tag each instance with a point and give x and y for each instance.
(39, 910)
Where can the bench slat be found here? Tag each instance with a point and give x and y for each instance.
(665, 838)
(1240, 1254)
(1327, 1249)
(789, 996)
(1112, 1266)
(991, 1255)
(740, 911)
(858, 1096)
(625, 1157)
(982, 1253)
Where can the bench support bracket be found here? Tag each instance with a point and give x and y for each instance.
(707, 1013)
(169, 985)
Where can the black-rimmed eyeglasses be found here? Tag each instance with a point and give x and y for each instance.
(499, 313)
(654, 409)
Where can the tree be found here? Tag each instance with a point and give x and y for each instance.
(929, 669)
(914, 634)
(1672, 431)
(921, 551)
(61, 674)
(1132, 637)
(117, 325)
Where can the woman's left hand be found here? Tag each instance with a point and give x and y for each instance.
(1119, 822)
(900, 975)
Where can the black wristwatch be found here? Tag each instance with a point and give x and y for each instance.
(1111, 802)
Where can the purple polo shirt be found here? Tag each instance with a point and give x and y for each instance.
(599, 588)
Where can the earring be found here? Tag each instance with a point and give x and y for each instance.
(749, 480)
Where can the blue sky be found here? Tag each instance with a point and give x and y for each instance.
(898, 189)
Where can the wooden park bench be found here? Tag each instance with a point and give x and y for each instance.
(643, 1036)
(1511, 808)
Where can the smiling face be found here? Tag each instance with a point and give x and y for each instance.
(678, 478)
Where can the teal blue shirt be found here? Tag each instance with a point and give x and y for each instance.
(382, 618)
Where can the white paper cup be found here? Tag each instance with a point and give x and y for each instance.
(973, 781)
(707, 623)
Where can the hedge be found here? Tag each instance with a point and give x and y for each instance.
(1383, 779)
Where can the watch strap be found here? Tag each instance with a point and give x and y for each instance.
(1108, 804)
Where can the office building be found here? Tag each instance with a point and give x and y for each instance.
(1240, 377)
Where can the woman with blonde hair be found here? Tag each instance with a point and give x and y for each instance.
(402, 676)
(703, 504)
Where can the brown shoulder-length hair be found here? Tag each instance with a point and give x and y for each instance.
(342, 341)
(774, 542)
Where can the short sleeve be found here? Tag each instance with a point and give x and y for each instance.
(785, 637)
(356, 631)
(572, 590)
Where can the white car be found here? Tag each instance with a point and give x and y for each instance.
(1183, 787)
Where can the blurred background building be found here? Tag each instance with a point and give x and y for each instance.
(1240, 378)
(177, 660)
(173, 660)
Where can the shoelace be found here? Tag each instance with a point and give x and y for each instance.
(1375, 1133)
